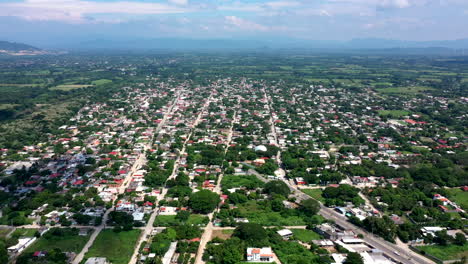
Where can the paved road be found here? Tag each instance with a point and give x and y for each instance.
(136, 166)
(208, 232)
(149, 226)
(403, 255)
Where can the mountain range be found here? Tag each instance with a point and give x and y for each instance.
(15, 47)
(369, 45)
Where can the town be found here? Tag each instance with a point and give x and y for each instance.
(240, 170)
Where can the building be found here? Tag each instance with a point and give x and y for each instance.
(285, 233)
(97, 261)
(22, 244)
(260, 255)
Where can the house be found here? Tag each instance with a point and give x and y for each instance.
(260, 255)
(22, 244)
(97, 261)
(300, 181)
(285, 233)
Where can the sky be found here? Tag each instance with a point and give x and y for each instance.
(47, 21)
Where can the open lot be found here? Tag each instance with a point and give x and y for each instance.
(256, 214)
(233, 181)
(305, 235)
(314, 193)
(450, 252)
(101, 81)
(404, 90)
(69, 87)
(67, 241)
(170, 220)
(460, 197)
(116, 247)
(393, 113)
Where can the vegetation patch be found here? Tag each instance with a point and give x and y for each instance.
(393, 113)
(315, 193)
(404, 90)
(305, 235)
(101, 81)
(117, 247)
(69, 87)
(459, 196)
(248, 181)
(449, 252)
(65, 239)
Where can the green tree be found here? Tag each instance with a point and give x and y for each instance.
(309, 207)
(277, 187)
(353, 258)
(204, 201)
(253, 233)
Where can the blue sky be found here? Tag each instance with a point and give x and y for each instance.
(42, 21)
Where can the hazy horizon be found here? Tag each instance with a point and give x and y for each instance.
(52, 22)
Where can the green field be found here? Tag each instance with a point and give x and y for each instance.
(459, 196)
(314, 193)
(4, 231)
(116, 247)
(7, 106)
(24, 232)
(69, 87)
(305, 235)
(101, 81)
(404, 90)
(256, 214)
(67, 242)
(233, 181)
(450, 252)
(170, 220)
(393, 113)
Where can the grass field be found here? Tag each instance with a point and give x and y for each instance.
(256, 214)
(24, 232)
(66, 243)
(19, 85)
(116, 247)
(450, 252)
(393, 113)
(314, 193)
(69, 87)
(7, 106)
(305, 235)
(170, 220)
(460, 197)
(404, 90)
(101, 81)
(249, 181)
(4, 231)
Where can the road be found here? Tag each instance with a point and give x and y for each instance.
(208, 232)
(149, 226)
(404, 255)
(136, 166)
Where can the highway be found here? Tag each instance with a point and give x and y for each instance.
(402, 255)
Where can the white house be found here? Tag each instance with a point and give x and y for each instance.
(260, 255)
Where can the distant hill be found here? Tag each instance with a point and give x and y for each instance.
(15, 47)
(265, 44)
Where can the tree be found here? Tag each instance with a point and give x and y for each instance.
(250, 232)
(183, 215)
(277, 187)
(3, 253)
(353, 258)
(310, 207)
(204, 201)
(460, 239)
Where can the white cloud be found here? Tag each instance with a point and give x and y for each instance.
(179, 2)
(78, 11)
(243, 24)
